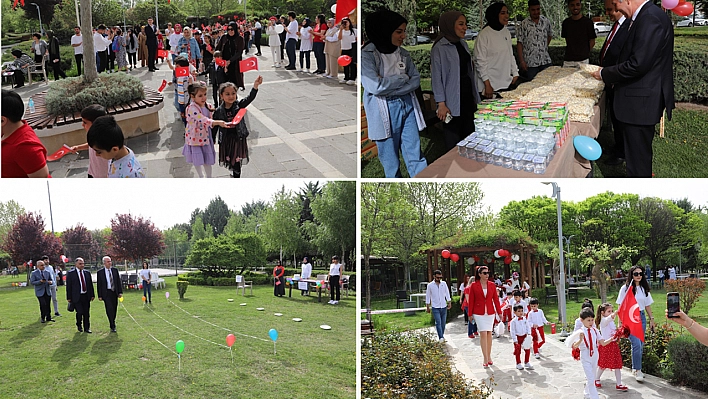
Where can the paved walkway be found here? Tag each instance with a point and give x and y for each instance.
(300, 125)
(556, 375)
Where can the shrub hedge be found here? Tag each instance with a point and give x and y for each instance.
(67, 96)
(405, 365)
(690, 69)
(683, 351)
(198, 278)
(654, 356)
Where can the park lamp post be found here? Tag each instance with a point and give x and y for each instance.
(567, 245)
(561, 297)
(39, 13)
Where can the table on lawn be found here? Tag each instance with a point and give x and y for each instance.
(308, 281)
(417, 298)
(566, 162)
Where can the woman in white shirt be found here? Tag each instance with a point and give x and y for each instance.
(347, 36)
(147, 282)
(274, 42)
(334, 276)
(672, 273)
(637, 282)
(306, 273)
(306, 38)
(495, 64)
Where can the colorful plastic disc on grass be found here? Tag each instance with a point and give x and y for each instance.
(297, 319)
(325, 327)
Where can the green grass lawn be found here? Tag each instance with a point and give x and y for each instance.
(54, 360)
(422, 319)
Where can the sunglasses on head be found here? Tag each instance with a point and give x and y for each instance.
(638, 274)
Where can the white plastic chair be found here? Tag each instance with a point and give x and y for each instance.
(242, 284)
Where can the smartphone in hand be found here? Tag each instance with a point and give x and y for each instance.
(672, 303)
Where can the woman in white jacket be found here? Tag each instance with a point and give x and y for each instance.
(274, 42)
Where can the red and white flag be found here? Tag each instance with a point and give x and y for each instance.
(163, 53)
(181, 72)
(65, 149)
(220, 62)
(239, 115)
(629, 314)
(162, 86)
(344, 8)
(249, 64)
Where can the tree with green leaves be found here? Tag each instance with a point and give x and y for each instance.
(335, 212)
(604, 259)
(200, 231)
(9, 212)
(216, 215)
(177, 243)
(612, 219)
(281, 226)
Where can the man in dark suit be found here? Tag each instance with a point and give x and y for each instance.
(42, 280)
(608, 56)
(109, 290)
(643, 81)
(151, 34)
(79, 292)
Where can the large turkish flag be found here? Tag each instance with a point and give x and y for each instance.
(629, 314)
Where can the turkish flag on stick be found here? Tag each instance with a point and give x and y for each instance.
(344, 8)
(65, 149)
(162, 86)
(249, 64)
(239, 115)
(629, 314)
(181, 72)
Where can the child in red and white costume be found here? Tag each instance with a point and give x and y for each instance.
(587, 338)
(518, 300)
(537, 320)
(610, 355)
(507, 305)
(520, 331)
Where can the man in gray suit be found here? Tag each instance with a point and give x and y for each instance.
(109, 290)
(42, 280)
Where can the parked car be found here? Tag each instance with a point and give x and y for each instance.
(688, 22)
(421, 39)
(512, 29)
(602, 27)
(471, 34)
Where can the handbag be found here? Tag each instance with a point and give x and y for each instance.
(499, 329)
(70, 307)
(527, 344)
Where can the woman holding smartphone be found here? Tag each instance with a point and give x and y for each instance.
(637, 282)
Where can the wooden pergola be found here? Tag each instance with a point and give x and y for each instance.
(531, 268)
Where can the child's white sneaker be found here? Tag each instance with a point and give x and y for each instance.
(307, 70)
(528, 366)
(330, 301)
(335, 302)
(342, 81)
(537, 355)
(520, 366)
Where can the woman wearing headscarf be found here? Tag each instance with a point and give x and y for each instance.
(21, 66)
(453, 78)
(142, 47)
(389, 79)
(188, 44)
(54, 55)
(173, 38)
(332, 50)
(231, 47)
(279, 279)
(496, 66)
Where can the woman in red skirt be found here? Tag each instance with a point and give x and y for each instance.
(610, 355)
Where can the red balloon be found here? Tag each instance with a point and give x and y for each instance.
(455, 257)
(507, 260)
(445, 253)
(476, 258)
(230, 339)
(683, 9)
(344, 60)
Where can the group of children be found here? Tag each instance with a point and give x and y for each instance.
(599, 349)
(525, 326)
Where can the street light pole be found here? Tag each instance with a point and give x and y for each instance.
(561, 296)
(567, 245)
(39, 13)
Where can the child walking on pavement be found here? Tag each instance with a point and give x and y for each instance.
(520, 331)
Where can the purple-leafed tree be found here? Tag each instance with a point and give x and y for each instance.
(78, 241)
(27, 240)
(134, 238)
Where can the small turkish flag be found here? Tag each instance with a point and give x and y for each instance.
(14, 5)
(208, 47)
(181, 72)
(629, 314)
(220, 62)
(249, 64)
(162, 53)
(162, 86)
(65, 149)
(239, 115)
(202, 26)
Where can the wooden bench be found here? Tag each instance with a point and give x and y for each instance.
(551, 294)
(40, 119)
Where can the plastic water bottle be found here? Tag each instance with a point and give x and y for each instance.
(31, 106)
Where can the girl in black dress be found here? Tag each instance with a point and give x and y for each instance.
(233, 148)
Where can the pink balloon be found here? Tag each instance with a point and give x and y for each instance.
(669, 4)
(683, 9)
(230, 339)
(167, 295)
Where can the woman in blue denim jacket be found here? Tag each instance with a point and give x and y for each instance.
(188, 44)
(389, 79)
(453, 78)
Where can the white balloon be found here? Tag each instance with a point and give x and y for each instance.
(515, 257)
(470, 261)
(496, 254)
(279, 29)
(334, 8)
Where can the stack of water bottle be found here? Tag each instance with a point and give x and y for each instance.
(518, 139)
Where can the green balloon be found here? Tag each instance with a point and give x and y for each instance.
(179, 346)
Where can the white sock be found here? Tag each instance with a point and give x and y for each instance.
(199, 170)
(207, 169)
(618, 376)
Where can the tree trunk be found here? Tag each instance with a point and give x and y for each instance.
(601, 280)
(90, 72)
